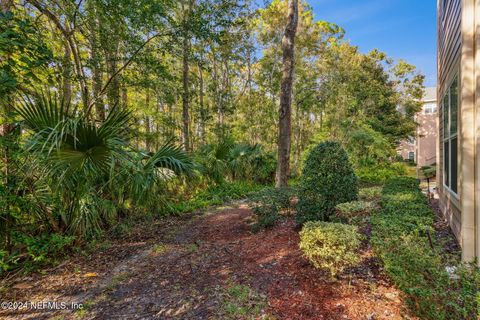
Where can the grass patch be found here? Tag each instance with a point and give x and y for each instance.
(242, 302)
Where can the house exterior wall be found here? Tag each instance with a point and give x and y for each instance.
(405, 148)
(426, 142)
(427, 131)
(458, 45)
(424, 145)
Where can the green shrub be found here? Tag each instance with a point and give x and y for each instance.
(349, 210)
(215, 195)
(380, 174)
(400, 238)
(330, 246)
(35, 251)
(268, 205)
(327, 180)
(370, 194)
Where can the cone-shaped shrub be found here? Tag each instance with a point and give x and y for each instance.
(327, 179)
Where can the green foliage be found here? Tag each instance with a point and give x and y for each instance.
(214, 195)
(370, 193)
(330, 246)
(269, 204)
(35, 251)
(400, 238)
(105, 150)
(236, 161)
(25, 54)
(367, 147)
(348, 210)
(380, 174)
(91, 167)
(428, 172)
(327, 180)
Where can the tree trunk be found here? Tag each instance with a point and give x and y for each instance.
(97, 79)
(6, 131)
(202, 106)
(72, 42)
(285, 112)
(6, 128)
(147, 122)
(186, 96)
(67, 76)
(186, 80)
(113, 91)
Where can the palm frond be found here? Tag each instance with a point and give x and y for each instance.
(42, 112)
(173, 158)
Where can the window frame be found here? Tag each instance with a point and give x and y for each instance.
(411, 155)
(430, 108)
(448, 137)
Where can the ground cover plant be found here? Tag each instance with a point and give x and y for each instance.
(350, 210)
(380, 173)
(402, 237)
(370, 193)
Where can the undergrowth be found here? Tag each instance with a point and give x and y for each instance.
(402, 230)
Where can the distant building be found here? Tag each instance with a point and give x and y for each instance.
(422, 149)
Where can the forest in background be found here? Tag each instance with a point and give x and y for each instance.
(114, 108)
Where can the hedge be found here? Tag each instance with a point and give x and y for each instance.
(400, 237)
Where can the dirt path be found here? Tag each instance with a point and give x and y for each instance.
(210, 267)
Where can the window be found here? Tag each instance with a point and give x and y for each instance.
(411, 156)
(430, 108)
(450, 137)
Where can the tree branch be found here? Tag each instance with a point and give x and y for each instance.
(129, 61)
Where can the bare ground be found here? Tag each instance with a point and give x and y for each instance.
(208, 266)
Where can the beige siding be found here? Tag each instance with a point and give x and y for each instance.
(449, 42)
(449, 54)
(459, 52)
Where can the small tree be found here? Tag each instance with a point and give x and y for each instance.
(327, 179)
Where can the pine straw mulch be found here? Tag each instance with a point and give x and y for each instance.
(196, 267)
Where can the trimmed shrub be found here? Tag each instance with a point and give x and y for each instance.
(348, 210)
(327, 180)
(330, 246)
(400, 237)
(269, 204)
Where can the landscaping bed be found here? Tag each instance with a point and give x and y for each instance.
(211, 267)
(405, 239)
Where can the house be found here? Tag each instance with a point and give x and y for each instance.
(422, 149)
(458, 91)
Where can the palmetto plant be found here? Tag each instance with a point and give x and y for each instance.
(90, 165)
(239, 161)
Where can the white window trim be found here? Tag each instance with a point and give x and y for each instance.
(450, 137)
